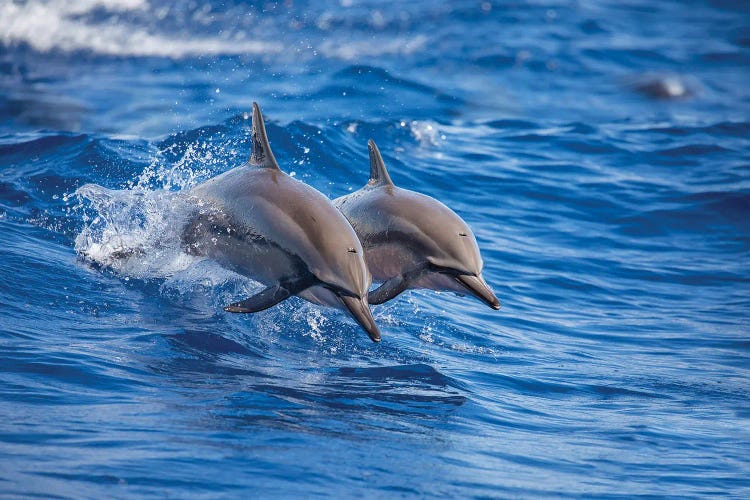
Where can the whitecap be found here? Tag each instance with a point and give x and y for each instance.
(62, 25)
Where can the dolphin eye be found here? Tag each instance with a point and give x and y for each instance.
(462, 234)
(352, 250)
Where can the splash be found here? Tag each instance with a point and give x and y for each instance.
(134, 232)
(426, 132)
(137, 231)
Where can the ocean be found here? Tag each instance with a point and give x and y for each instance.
(600, 151)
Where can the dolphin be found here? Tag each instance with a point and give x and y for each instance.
(264, 224)
(412, 240)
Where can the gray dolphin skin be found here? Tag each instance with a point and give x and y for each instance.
(412, 240)
(262, 223)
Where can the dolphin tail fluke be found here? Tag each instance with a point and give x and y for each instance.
(261, 156)
(267, 298)
(388, 290)
(378, 173)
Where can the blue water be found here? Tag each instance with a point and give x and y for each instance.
(600, 152)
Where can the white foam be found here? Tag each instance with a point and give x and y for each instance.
(137, 231)
(354, 50)
(62, 25)
(674, 87)
(134, 232)
(426, 132)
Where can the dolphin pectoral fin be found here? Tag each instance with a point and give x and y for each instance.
(360, 311)
(267, 298)
(479, 289)
(388, 290)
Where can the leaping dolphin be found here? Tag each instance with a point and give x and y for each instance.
(262, 223)
(412, 240)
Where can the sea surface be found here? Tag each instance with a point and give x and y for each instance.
(600, 150)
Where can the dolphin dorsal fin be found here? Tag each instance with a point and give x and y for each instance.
(378, 173)
(261, 156)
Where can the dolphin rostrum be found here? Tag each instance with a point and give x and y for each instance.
(262, 223)
(412, 240)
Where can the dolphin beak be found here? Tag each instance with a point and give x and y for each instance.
(479, 289)
(360, 310)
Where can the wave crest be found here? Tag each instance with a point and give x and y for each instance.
(60, 25)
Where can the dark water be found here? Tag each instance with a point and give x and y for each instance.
(600, 152)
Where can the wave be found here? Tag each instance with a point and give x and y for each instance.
(105, 27)
(139, 28)
(388, 45)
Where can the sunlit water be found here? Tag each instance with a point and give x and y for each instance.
(601, 154)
